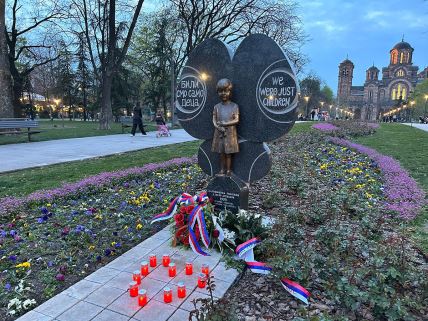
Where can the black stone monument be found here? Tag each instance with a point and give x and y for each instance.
(266, 90)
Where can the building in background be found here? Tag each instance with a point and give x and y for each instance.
(377, 96)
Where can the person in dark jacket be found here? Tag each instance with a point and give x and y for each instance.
(159, 119)
(137, 120)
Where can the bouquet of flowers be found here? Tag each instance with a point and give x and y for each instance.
(196, 222)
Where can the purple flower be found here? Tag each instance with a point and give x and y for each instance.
(12, 232)
(325, 127)
(40, 220)
(7, 286)
(50, 264)
(99, 258)
(44, 210)
(60, 277)
(13, 258)
(402, 192)
(118, 245)
(107, 252)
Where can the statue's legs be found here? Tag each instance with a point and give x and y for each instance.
(229, 164)
(222, 163)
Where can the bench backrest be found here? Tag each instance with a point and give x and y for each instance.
(18, 123)
(126, 119)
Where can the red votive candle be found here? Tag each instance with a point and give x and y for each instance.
(152, 260)
(181, 290)
(133, 289)
(167, 295)
(201, 280)
(189, 268)
(142, 297)
(144, 268)
(166, 260)
(136, 276)
(172, 270)
(205, 269)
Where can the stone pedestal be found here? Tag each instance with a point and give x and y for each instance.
(228, 192)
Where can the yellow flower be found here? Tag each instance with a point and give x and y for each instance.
(24, 265)
(152, 186)
(48, 205)
(91, 247)
(139, 226)
(113, 244)
(369, 195)
(99, 216)
(323, 167)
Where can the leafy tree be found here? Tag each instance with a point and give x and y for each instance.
(327, 92)
(420, 96)
(156, 51)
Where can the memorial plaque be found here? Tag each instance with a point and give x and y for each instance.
(228, 192)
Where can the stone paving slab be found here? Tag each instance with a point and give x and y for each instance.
(103, 295)
(27, 155)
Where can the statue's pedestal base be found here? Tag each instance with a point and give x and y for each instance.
(228, 192)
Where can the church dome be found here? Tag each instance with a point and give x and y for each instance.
(402, 45)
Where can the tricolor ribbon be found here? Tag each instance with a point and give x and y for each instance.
(196, 217)
(296, 290)
(246, 251)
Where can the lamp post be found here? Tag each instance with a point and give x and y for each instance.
(412, 103)
(425, 107)
(57, 101)
(306, 98)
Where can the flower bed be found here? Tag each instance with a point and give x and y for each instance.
(60, 236)
(402, 192)
(331, 235)
(325, 127)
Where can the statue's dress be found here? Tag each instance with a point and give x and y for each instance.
(226, 142)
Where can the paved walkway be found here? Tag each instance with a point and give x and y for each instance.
(27, 155)
(417, 125)
(103, 295)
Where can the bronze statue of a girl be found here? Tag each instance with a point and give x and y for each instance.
(225, 119)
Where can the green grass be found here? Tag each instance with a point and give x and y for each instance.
(68, 129)
(410, 147)
(26, 181)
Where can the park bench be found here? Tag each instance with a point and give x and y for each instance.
(126, 121)
(16, 124)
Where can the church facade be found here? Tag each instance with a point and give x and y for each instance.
(377, 96)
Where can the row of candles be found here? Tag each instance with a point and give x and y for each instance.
(172, 272)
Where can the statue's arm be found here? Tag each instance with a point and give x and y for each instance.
(216, 124)
(234, 120)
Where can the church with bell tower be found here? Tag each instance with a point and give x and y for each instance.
(376, 96)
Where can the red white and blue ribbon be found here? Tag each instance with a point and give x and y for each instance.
(296, 290)
(172, 208)
(196, 216)
(246, 251)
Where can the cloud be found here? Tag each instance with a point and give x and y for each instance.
(327, 25)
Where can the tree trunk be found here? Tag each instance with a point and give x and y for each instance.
(106, 111)
(6, 105)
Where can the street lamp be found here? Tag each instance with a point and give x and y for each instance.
(425, 107)
(306, 98)
(57, 101)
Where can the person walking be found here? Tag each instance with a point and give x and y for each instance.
(137, 120)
